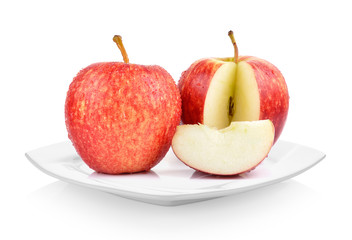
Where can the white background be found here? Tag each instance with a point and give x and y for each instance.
(44, 44)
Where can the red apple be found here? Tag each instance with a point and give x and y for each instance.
(217, 91)
(235, 149)
(121, 117)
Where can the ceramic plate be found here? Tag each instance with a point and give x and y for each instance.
(171, 182)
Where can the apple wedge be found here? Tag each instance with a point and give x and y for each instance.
(229, 151)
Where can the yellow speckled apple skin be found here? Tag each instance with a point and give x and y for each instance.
(121, 117)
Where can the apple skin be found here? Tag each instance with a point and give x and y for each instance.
(273, 93)
(121, 117)
(193, 85)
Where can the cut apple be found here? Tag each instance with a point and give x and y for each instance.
(219, 98)
(216, 91)
(247, 95)
(233, 150)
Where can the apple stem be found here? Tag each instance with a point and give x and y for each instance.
(118, 40)
(234, 45)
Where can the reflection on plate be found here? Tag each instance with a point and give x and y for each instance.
(171, 182)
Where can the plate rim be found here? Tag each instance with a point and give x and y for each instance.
(171, 198)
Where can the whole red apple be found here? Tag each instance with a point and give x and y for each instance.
(217, 91)
(121, 117)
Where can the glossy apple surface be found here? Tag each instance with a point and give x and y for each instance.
(235, 149)
(121, 117)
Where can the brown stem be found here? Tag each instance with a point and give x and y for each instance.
(118, 40)
(234, 45)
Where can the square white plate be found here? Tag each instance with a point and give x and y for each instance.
(171, 182)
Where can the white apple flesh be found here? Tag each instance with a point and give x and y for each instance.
(216, 106)
(235, 149)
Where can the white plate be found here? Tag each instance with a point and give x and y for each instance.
(171, 182)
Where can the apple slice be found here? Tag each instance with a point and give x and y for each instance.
(229, 151)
